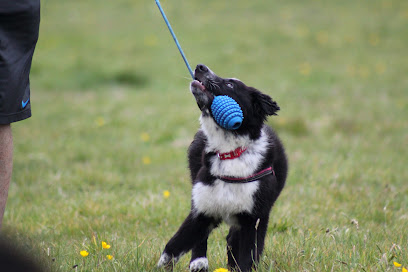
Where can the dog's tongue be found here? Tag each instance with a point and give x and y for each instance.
(198, 84)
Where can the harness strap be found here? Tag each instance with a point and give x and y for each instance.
(256, 176)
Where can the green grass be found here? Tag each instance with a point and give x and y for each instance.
(107, 72)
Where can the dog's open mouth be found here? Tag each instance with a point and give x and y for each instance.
(202, 95)
(198, 84)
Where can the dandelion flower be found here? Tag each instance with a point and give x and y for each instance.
(221, 270)
(166, 194)
(286, 15)
(322, 37)
(405, 14)
(302, 31)
(100, 122)
(380, 68)
(145, 137)
(150, 40)
(404, 269)
(397, 264)
(364, 72)
(305, 69)
(349, 39)
(374, 39)
(84, 253)
(351, 70)
(146, 160)
(109, 257)
(105, 245)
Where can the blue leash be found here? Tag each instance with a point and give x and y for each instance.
(226, 111)
(175, 39)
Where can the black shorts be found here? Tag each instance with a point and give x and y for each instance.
(19, 26)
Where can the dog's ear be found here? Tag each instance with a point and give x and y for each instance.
(264, 105)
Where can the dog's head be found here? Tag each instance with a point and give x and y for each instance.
(256, 106)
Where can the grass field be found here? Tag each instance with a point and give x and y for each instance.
(113, 118)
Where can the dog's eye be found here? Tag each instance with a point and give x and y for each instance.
(230, 85)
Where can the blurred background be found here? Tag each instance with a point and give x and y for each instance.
(104, 155)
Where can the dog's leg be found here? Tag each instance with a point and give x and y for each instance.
(233, 247)
(245, 245)
(199, 262)
(192, 234)
(261, 227)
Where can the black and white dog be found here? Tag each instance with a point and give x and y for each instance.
(237, 175)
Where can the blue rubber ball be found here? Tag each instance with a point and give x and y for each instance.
(227, 113)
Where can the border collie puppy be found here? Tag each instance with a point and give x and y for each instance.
(237, 175)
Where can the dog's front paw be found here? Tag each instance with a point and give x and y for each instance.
(199, 265)
(166, 262)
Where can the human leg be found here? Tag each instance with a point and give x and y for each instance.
(6, 165)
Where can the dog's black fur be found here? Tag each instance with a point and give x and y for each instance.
(246, 206)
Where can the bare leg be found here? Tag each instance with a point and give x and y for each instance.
(6, 165)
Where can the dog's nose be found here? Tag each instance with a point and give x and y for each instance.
(201, 68)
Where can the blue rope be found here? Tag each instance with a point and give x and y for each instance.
(175, 39)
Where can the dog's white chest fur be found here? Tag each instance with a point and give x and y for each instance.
(223, 200)
(220, 199)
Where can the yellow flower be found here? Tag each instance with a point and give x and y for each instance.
(146, 160)
(221, 270)
(150, 40)
(166, 194)
(110, 257)
(286, 14)
(404, 269)
(84, 253)
(380, 68)
(397, 264)
(100, 122)
(351, 70)
(105, 245)
(305, 69)
(374, 39)
(364, 72)
(145, 137)
(405, 14)
(349, 39)
(302, 31)
(322, 37)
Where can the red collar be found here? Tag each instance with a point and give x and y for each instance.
(232, 154)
